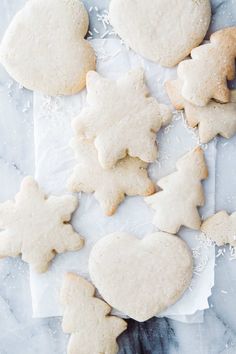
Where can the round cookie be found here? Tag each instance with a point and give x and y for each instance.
(44, 47)
(141, 278)
(164, 31)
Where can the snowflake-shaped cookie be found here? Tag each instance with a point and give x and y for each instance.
(121, 118)
(36, 226)
(128, 177)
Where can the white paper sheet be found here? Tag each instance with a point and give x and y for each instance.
(55, 161)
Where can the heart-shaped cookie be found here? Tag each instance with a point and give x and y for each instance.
(44, 47)
(141, 278)
(164, 31)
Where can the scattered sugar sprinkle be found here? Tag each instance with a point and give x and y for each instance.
(26, 107)
(103, 28)
(232, 251)
(104, 19)
(221, 252)
(201, 259)
(95, 30)
(104, 34)
(199, 268)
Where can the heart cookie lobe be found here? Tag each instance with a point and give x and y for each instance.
(162, 31)
(44, 47)
(141, 278)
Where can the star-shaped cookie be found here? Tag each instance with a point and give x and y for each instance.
(121, 118)
(36, 226)
(128, 177)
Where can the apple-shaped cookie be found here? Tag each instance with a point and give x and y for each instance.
(164, 31)
(141, 278)
(44, 47)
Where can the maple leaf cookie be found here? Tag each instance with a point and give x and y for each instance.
(44, 47)
(121, 118)
(181, 193)
(36, 226)
(93, 330)
(128, 177)
(164, 31)
(221, 228)
(213, 119)
(205, 76)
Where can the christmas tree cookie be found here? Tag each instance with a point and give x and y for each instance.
(221, 228)
(181, 193)
(93, 330)
(213, 119)
(205, 76)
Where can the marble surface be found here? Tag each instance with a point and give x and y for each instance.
(19, 333)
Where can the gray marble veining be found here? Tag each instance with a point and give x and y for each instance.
(19, 333)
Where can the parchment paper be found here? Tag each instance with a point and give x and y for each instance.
(54, 162)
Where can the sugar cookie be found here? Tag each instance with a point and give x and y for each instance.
(141, 278)
(205, 76)
(162, 31)
(213, 119)
(121, 118)
(44, 47)
(36, 226)
(181, 193)
(128, 177)
(221, 228)
(93, 330)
